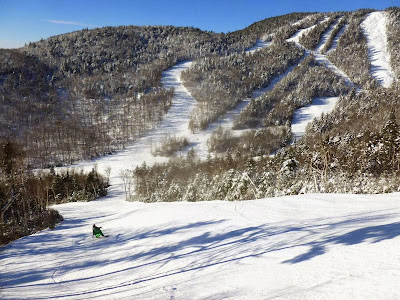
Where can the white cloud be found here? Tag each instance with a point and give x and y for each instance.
(69, 23)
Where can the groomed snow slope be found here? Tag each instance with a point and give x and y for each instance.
(260, 44)
(374, 27)
(298, 247)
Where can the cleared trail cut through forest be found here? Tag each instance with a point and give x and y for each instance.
(374, 27)
(320, 105)
(175, 122)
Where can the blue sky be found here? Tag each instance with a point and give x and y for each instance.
(22, 21)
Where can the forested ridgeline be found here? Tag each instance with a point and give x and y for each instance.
(219, 84)
(25, 196)
(90, 92)
(267, 28)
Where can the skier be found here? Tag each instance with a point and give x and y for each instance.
(97, 231)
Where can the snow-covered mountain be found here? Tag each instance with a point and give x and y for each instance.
(245, 105)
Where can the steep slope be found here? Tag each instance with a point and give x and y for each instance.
(374, 27)
(303, 116)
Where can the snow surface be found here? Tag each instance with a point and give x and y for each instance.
(299, 247)
(260, 44)
(304, 115)
(374, 27)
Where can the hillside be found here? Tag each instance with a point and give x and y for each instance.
(101, 86)
(222, 117)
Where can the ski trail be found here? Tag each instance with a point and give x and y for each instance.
(284, 247)
(303, 116)
(374, 27)
(326, 36)
(175, 122)
(296, 37)
(337, 38)
(328, 64)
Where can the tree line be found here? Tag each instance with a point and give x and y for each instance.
(25, 196)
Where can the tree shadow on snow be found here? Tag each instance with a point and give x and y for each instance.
(211, 246)
(372, 234)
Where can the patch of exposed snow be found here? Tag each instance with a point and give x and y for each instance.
(260, 44)
(374, 27)
(306, 114)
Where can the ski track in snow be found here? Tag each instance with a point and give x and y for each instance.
(374, 27)
(299, 247)
(328, 246)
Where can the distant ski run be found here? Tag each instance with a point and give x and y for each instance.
(260, 44)
(337, 38)
(306, 114)
(374, 27)
(326, 35)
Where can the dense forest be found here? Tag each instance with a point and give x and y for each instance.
(25, 196)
